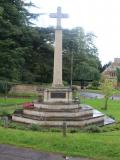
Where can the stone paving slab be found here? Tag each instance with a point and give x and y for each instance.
(9, 152)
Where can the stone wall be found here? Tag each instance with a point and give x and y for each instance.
(24, 88)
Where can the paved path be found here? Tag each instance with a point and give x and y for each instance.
(98, 95)
(8, 152)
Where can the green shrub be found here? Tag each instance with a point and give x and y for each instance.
(4, 113)
(5, 87)
(13, 125)
(34, 127)
(16, 125)
(92, 129)
(74, 130)
(55, 130)
(113, 127)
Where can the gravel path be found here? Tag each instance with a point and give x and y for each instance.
(9, 152)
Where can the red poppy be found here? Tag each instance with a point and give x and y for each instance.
(28, 105)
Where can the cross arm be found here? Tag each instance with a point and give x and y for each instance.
(54, 15)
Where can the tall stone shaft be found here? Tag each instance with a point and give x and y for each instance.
(57, 70)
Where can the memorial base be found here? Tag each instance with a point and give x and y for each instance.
(57, 107)
(52, 95)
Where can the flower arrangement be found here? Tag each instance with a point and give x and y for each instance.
(28, 105)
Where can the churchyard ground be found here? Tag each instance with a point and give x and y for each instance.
(9, 105)
(99, 146)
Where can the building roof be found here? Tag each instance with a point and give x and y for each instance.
(113, 66)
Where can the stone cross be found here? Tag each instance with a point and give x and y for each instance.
(59, 15)
(57, 71)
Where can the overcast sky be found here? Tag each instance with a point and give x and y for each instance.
(99, 16)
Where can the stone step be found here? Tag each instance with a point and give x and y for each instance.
(96, 120)
(59, 107)
(57, 110)
(57, 118)
(80, 113)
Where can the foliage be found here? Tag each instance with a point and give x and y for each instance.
(4, 87)
(79, 42)
(105, 66)
(92, 129)
(84, 71)
(12, 21)
(118, 73)
(4, 113)
(26, 52)
(80, 45)
(107, 90)
(21, 44)
(17, 126)
(109, 128)
(94, 85)
(34, 127)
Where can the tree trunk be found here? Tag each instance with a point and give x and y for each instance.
(106, 103)
(82, 84)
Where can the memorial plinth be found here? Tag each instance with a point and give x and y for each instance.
(57, 95)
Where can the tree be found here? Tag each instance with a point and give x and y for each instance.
(105, 66)
(26, 52)
(86, 73)
(81, 46)
(14, 20)
(38, 56)
(118, 76)
(79, 42)
(107, 90)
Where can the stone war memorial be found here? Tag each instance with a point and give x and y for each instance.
(58, 105)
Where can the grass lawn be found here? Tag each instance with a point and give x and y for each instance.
(9, 105)
(113, 106)
(100, 146)
(11, 101)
